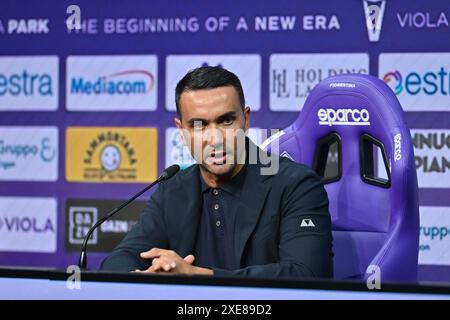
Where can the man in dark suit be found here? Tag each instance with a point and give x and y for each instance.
(235, 212)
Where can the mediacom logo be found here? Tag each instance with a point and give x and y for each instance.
(29, 83)
(421, 81)
(28, 224)
(111, 83)
(116, 83)
(111, 154)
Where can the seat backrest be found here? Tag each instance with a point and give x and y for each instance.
(375, 219)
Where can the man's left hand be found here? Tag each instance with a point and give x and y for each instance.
(168, 261)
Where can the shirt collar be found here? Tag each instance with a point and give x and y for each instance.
(204, 186)
(234, 186)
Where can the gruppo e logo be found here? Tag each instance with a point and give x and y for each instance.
(433, 236)
(28, 153)
(434, 231)
(117, 83)
(343, 117)
(45, 151)
(431, 82)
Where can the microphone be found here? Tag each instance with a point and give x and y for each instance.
(167, 174)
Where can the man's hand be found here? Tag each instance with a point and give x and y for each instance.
(169, 261)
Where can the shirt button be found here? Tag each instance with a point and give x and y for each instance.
(215, 192)
(218, 223)
(216, 207)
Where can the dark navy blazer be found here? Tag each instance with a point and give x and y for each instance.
(282, 229)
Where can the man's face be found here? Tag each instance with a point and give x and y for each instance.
(211, 121)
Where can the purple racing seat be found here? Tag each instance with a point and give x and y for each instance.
(351, 130)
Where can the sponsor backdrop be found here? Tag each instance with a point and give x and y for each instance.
(86, 115)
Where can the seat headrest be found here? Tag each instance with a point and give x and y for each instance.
(353, 104)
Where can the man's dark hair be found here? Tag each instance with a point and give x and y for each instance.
(208, 78)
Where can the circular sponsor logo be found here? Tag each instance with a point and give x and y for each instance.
(394, 80)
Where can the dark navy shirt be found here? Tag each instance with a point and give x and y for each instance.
(214, 245)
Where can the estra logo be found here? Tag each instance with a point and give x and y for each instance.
(421, 81)
(429, 83)
(343, 117)
(29, 83)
